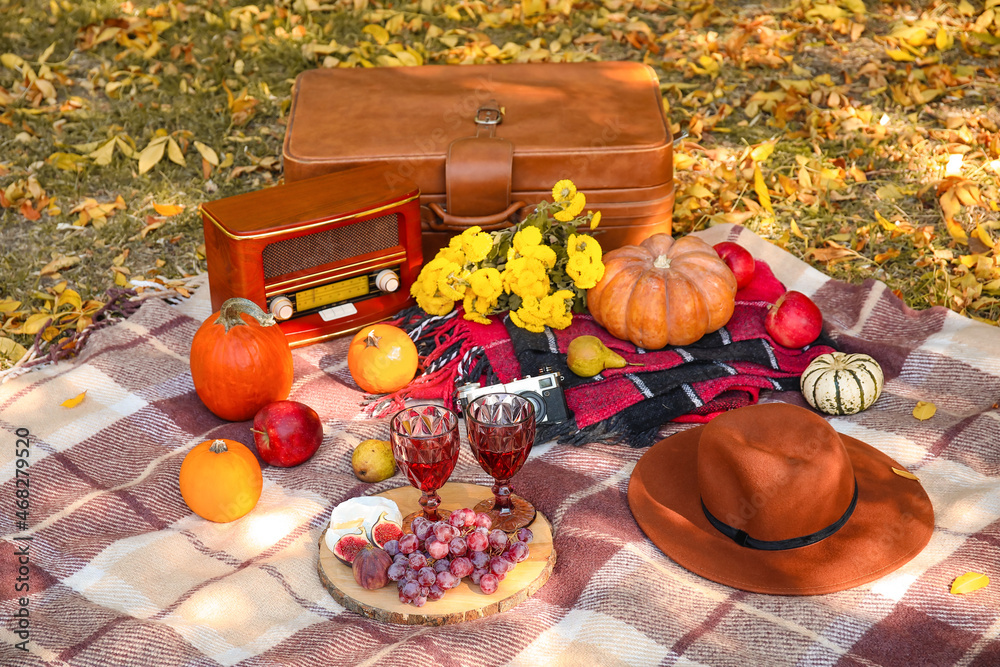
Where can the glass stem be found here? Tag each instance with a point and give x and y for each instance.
(501, 496)
(429, 500)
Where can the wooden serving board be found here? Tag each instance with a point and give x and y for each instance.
(463, 603)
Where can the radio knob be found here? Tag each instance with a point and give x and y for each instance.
(387, 280)
(281, 308)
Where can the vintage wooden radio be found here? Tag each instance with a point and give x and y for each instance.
(325, 255)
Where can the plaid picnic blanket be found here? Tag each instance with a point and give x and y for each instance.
(117, 571)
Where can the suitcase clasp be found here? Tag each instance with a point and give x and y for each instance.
(489, 114)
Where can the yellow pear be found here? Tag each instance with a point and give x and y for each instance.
(587, 356)
(373, 461)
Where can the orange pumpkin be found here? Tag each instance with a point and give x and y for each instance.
(240, 361)
(664, 291)
(382, 359)
(220, 480)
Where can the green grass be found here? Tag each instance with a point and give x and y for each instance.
(209, 46)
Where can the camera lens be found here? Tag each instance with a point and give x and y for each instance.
(537, 402)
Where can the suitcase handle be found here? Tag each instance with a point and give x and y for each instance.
(459, 222)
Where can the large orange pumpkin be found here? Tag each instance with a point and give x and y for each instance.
(240, 361)
(220, 480)
(664, 291)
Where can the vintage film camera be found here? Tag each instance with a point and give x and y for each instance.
(326, 256)
(544, 392)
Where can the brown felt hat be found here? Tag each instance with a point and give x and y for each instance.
(770, 498)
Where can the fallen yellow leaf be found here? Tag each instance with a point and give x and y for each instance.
(208, 153)
(11, 349)
(378, 33)
(968, 582)
(152, 154)
(900, 55)
(168, 210)
(891, 253)
(174, 152)
(75, 401)
(795, 229)
(760, 187)
(762, 151)
(905, 473)
(924, 410)
(58, 264)
(102, 156)
(35, 323)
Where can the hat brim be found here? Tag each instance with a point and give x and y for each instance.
(891, 524)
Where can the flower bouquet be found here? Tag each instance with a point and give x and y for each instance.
(539, 269)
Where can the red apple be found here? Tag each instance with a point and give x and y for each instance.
(794, 320)
(739, 260)
(287, 433)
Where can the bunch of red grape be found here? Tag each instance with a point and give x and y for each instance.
(437, 555)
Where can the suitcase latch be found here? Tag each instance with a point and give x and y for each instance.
(490, 114)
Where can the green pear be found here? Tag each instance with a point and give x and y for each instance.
(372, 461)
(587, 356)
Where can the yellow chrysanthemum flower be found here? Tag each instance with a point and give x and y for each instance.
(584, 271)
(595, 220)
(583, 244)
(556, 308)
(431, 273)
(573, 209)
(434, 305)
(526, 276)
(528, 316)
(486, 283)
(526, 238)
(563, 190)
(543, 253)
(473, 309)
(452, 284)
(476, 246)
(453, 255)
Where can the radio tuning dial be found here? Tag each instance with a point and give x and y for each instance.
(387, 280)
(281, 308)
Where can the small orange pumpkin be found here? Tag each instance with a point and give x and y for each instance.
(664, 291)
(240, 361)
(220, 480)
(382, 359)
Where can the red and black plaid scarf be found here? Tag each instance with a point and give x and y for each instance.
(722, 371)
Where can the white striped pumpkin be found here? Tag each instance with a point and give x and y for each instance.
(842, 384)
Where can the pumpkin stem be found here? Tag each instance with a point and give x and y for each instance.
(372, 340)
(662, 262)
(230, 313)
(218, 447)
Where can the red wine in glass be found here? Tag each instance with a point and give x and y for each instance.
(425, 444)
(501, 432)
(430, 476)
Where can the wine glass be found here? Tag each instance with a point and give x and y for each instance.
(501, 431)
(425, 443)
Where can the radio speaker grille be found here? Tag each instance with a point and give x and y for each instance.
(332, 245)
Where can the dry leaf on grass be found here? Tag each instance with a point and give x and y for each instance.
(11, 350)
(168, 210)
(59, 263)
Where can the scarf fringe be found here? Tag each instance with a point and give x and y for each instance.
(447, 359)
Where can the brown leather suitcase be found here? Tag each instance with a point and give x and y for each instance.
(485, 142)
